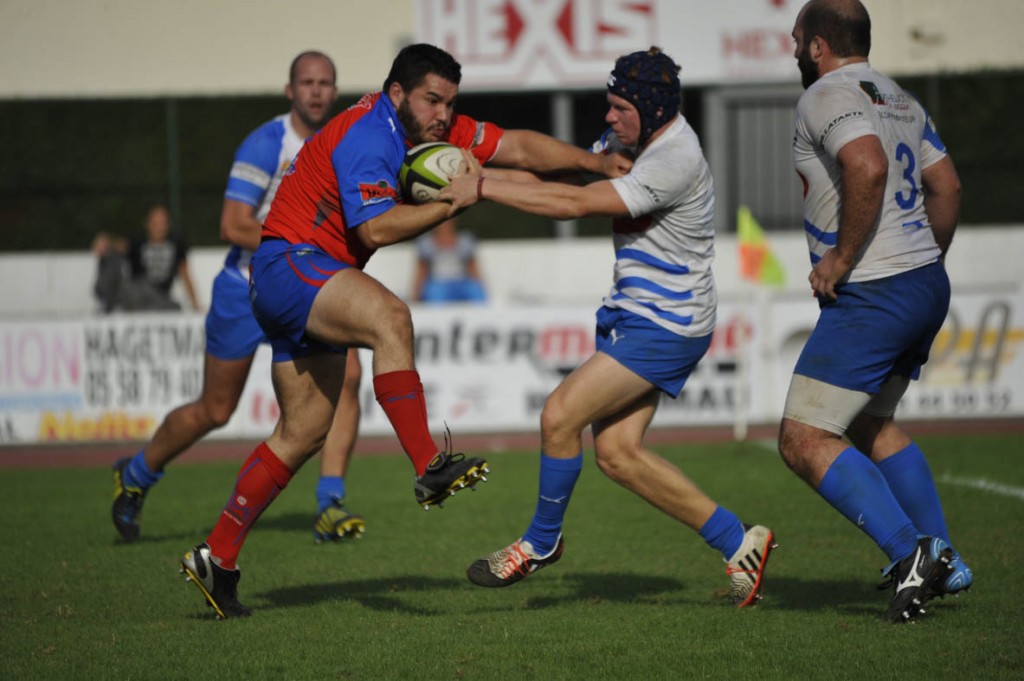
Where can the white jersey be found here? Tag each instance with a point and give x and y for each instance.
(260, 163)
(841, 106)
(663, 252)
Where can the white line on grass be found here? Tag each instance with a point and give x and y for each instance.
(985, 486)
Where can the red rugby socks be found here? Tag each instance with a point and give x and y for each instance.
(260, 480)
(400, 395)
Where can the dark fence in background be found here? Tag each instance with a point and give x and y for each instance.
(72, 168)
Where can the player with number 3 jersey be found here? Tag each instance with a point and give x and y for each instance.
(881, 203)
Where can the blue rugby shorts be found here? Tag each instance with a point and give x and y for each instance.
(875, 329)
(652, 352)
(285, 279)
(231, 329)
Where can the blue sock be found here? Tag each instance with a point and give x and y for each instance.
(137, 473)
(855, 487)
(723, 531)
(329, 488)
(557, 479)
(911, 482)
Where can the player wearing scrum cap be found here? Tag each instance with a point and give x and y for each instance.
(653, 328)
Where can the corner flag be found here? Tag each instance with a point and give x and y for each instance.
(757, 262)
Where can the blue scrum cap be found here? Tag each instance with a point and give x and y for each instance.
(650, 81)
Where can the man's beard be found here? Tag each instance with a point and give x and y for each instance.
(413, 130)
(808, 69)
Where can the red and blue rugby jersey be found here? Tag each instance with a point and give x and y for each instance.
(348, 173)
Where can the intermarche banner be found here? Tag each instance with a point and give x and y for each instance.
(484, 369)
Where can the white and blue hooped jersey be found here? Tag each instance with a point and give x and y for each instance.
(260, 163)
(846, 104)
(664, 250)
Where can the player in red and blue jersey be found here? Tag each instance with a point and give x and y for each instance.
(338, 203)
(232, 334)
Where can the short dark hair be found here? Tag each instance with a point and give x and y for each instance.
(293, 69)
(845, 26)
(415, 62)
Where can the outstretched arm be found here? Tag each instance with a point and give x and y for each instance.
(540, 153)
(549, 199)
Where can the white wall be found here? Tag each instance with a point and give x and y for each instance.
(119, 48)
(517, 273)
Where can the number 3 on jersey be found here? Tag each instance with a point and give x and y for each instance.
(905, 156)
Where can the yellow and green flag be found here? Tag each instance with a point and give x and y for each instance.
(757, 262)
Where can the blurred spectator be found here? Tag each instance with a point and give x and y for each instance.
(137, 275)
(446, 267)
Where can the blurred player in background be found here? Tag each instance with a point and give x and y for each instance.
(881, 203)
(338, 204)
(653, 329)
(447, 270)
(232, 334)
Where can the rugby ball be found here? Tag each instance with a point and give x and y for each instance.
(426, 169)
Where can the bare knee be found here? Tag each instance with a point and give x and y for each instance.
(394, 324)
(796, 445)
(559, 433)
(614, 458)
(216, 413)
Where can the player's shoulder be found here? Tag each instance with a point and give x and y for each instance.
(677, 144)
(268, 133)
(680, 133)
(831, 94)
(824, 90)
(365, 114)
(370, 108)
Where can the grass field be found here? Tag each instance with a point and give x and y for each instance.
(636, 596)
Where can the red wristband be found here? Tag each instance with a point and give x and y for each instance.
(480, 188)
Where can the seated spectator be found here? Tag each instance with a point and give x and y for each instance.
(446, 267)
(137, 275)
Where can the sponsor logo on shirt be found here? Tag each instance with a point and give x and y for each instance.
(836, 122)
(478, 135)
(871, 90)
(895, 100)
(375, 192)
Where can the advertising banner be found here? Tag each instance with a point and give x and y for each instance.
(555, 44)
(484, 369)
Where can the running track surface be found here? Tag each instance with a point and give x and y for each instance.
(86, 455)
